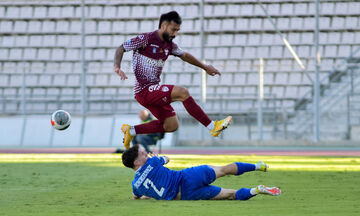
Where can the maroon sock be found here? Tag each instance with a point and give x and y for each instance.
(195, 111)
(155, 126)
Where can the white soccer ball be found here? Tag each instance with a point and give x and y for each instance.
(60, 119)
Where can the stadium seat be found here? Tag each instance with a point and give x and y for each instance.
(47, 36)
(13, 12)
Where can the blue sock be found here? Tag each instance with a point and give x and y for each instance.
(243, 194)
(244, 167)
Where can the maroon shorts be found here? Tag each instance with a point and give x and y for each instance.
(157, 99)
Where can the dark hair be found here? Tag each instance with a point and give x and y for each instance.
(129, 156)
(171, 16)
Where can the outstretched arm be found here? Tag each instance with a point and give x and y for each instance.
(117, 62)
(187, 57)
(166, 158)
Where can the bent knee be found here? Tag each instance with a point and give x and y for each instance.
(180, 93)
(171, 127)
(184, 93)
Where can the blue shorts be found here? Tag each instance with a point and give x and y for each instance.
(195, 183)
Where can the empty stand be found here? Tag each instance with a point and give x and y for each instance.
(40, 41)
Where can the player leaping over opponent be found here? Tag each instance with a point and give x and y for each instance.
(150, 51)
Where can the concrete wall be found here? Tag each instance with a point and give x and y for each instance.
(234, 132)
(355, 133)
(38, 132)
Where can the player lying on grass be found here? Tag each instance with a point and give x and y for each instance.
(150, 51)
(153, 180)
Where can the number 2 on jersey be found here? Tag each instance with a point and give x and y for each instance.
(148, 182)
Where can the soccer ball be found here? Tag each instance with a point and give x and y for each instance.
(60, 120)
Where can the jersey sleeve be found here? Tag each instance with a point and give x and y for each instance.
(157, 159)
(176, 50)
(136, 193)
(160, 159)
(135, 43)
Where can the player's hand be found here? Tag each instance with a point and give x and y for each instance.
(167, 159)
(211, 70)
(120, 72)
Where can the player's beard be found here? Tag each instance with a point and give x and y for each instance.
(167, 37)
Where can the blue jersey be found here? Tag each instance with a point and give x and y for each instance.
(156, 181)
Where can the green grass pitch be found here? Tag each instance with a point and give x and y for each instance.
(98, 184)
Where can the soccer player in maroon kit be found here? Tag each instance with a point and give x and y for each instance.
(150, 51)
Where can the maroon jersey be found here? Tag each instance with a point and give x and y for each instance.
(150, 54)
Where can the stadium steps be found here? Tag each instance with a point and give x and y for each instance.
(334, 99)
(45, 35)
